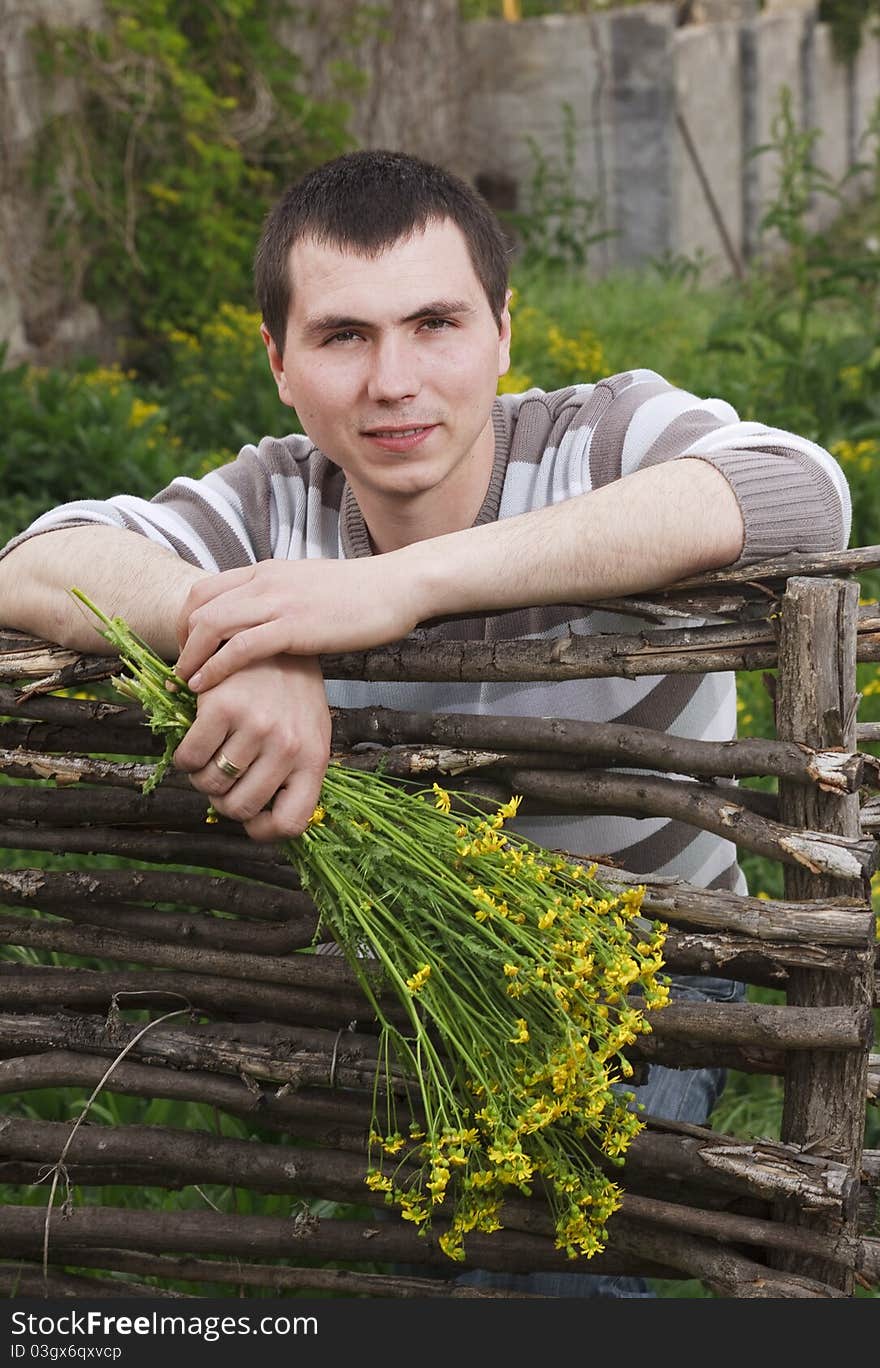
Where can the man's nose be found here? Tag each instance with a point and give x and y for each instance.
(393, 370)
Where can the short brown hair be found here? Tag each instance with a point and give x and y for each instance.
(367, 201)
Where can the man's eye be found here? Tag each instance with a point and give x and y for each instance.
(348, 335)
(436, 324)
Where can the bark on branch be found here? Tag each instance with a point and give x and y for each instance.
(53, 888)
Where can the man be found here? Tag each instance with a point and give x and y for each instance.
(418, 496)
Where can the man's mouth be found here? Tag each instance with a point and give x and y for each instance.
(395, 432)
(401, 438)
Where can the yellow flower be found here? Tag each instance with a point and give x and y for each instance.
(514, 382)
(442, 801)
(419, 979)
(141, 412)
(522, 1033)
(317, 816)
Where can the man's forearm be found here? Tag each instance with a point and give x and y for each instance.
(123, 573)
(642, 532)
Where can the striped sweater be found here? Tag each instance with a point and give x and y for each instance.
(286, 499)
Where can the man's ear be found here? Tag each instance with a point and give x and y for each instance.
(276, 365)
(504, 336)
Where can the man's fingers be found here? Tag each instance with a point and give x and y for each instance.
(253, 791)
(247, 647)
(204, 590)
(291, 809)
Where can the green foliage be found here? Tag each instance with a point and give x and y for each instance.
(849, 21)
(799, 320)
(222, 393)
(189, 122)
(78, 434)
(89, 432)
(558, 227)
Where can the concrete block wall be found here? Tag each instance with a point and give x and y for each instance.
(667, 119)
(774, 53)
(830, 108)
(514, 94)
(708, 143)
(37, 305)
(642, 99)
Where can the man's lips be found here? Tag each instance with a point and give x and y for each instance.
(401, 437)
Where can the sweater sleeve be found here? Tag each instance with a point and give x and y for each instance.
(792, 493)
(230, 517)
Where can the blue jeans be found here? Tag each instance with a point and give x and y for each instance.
(677, 1095)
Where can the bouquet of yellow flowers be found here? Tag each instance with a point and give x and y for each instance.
(511, 967)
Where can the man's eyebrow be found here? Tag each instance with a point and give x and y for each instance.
(440, 308)
(435, 308)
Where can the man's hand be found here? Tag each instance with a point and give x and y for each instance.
(271, 720)
(302, 608)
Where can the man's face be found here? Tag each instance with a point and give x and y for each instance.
(392, 364)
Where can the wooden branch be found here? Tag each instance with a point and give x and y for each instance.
(53, 888)
(778, 568)
(195, 929)
(305, 1055)
(327, 972)
(51, 988)
(80, 739)
(825, 921)
(175, 803)
(235, 854)
(300, 1238)
(318, 1114)
(339, 1281)
(748, 1036)
(696, 650)
(391, 1241)
(168, 808)
(840, 857)
(765, 963)
(177, 1158)
(125, 732)
(601, 743)
(22, 1279)
(694, 1155)
(764, 1025)
(72, 712)
(816, 703)
(868, 1265)
(763, 1169)
(53, 667)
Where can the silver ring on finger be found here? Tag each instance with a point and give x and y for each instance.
(227, 766)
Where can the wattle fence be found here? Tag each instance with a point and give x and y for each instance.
(202, 994)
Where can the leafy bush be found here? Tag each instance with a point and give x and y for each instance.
(222, 393)
(191, 120)
(78, 434)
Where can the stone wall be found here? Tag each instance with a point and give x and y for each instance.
(42, 314)
(666, 119)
